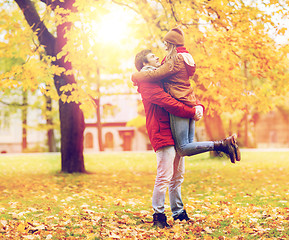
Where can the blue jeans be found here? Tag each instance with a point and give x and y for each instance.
(170, 174)
(183, 130)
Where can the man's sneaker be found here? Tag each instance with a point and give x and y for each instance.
(182, 216)
(160, 220)
(228, 146)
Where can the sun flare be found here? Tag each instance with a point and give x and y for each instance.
(112, 28)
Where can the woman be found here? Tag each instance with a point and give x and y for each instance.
(178, 66)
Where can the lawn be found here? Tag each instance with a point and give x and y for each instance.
(247, 200)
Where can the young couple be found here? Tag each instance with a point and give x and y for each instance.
(171, 110)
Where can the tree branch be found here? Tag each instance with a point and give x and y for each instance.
(47, 2)
(38, 27)
(173, 11)
(126, 5)
(14, 104)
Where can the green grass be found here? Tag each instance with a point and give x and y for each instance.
(246, 200)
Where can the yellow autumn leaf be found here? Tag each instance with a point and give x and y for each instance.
(282, 31)
(21, 227)
(63, 97)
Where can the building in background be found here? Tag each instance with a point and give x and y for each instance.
(116, 111)
(269, 130)
(11, 130)
(272, 129)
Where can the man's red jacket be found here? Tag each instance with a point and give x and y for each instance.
(157, 103)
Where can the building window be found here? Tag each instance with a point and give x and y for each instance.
(109, 140)
(88, 139)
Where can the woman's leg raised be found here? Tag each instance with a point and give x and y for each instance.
(180, 128)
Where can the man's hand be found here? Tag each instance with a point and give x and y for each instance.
(199, 113)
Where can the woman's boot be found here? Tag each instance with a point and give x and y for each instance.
(229, 146)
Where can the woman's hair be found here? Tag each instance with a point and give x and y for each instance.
(141, 58)
(172, 52)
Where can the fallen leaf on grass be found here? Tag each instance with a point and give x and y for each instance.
(208, 230)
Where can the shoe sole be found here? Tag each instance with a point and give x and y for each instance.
(232, 154)
(236, 148)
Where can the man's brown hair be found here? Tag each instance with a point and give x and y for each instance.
(141, 58)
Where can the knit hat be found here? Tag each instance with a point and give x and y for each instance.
(175, 36)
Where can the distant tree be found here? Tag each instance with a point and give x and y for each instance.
(240, 63)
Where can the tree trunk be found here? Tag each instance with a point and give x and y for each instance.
(72, 127)
(49, 120)
(71, 116)
(214, 127)
(246, 142)
(24, 120)
(98, 115)
(99, 126)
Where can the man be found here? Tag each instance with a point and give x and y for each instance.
(170, 166)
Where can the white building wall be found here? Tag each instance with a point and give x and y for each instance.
(139, 140)
(36, 137)
(10, 132)
(117, 140)
(125, 110)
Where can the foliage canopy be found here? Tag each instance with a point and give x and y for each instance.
(239, 61)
